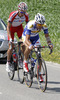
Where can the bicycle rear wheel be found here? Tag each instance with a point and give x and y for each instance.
(20, 68)
(28, 76)
(43, 85)
(28, 79)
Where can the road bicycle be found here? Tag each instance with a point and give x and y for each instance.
(16, 62)
(37, 67)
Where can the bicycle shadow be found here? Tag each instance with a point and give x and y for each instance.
(35, 85)
(51, 82)
(54, 90)
(52, 87)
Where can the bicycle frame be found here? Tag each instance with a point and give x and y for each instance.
(38, 59)
(15, 59)
(41, 69)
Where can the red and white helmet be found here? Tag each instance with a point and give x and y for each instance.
(22, 6)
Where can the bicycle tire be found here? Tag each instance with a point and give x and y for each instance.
(28, 80)
(28, 76)
(12, 71)
(43, 85)
(20, 68)
(11, 74)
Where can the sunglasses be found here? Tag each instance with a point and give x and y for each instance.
(39, 24)
(22, 12)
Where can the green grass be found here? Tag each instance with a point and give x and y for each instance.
(51, 10)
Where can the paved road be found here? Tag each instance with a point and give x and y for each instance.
(13, 90)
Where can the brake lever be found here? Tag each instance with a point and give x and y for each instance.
(51, 51)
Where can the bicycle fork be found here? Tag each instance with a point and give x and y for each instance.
(39, 66)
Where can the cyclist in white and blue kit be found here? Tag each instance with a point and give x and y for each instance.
(31, 36)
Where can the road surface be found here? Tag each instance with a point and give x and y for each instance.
(13, 90)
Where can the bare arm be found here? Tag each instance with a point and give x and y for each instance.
(27, 41)
(48, 40)
(8, 29)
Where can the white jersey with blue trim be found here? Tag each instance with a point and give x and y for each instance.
(32, 30)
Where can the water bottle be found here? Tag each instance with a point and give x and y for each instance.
(14, 57)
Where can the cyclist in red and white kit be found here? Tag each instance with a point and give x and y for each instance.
(15, 20)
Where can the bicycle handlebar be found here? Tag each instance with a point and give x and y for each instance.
(15, 43)
(44, 47)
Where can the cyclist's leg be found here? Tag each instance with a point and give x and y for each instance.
(19, 33)
(9, 53)
(27, 50)
(26, 54)
(37, 43)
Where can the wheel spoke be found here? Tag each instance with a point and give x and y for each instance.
(20, 69)
(43, 84)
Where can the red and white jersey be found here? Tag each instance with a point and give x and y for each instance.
(16, 20)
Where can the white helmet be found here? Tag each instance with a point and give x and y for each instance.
(39, 18)
(22, 6)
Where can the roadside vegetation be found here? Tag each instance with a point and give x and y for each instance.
(51, 10)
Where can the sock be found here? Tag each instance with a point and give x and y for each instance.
(25, 61)
(8, 61)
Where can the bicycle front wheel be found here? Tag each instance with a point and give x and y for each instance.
(20, 68)
(43, 84)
